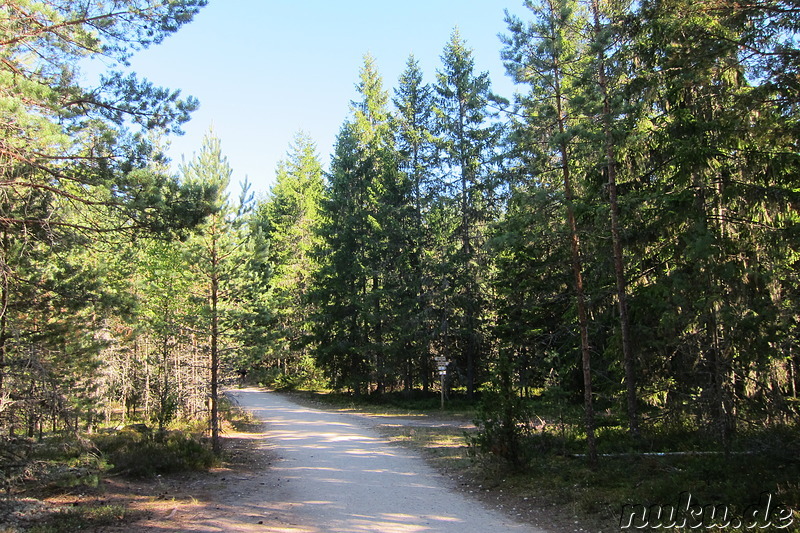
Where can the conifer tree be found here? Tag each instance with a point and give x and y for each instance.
(220, 254)
(546, 55)
(468, 138)
(365, 220)
(74, 160)
(291, 215)
(714, 165)
(417, 153)
(339, 284)
(601, 41)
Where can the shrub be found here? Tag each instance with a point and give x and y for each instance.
(503, 420)
(138, 454)
(276, 378)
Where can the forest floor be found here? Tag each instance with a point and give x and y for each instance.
(244, 493)
(190, 501)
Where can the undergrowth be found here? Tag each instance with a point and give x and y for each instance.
(673, 467)
(138, 453)
(82, 518)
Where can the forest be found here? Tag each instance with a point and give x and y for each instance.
(622, 236)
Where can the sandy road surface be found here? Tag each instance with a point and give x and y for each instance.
(338, 474)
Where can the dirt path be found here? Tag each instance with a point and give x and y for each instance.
(334, 472)
(309, 470)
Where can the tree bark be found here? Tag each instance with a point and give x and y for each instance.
(215, 444)
(577, 269)
(619, 265)
(3, 311)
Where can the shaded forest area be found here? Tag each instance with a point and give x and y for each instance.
(621, 236)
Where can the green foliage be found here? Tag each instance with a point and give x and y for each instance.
(278, 379)
(359, 296)
(467, 136)
(228, 256)
(88, 146)
(290, 216)
(503, 419)
(52, 464)
(439, 231)
(82, 170)
(138, 453)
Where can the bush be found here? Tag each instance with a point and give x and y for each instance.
(276, 378)
(503, 420)
(138, 454)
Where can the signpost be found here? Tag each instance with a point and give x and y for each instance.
(442, 363)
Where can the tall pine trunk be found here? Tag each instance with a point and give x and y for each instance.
(577, 268)
(4, 311)
(619, 265)
(215, 444)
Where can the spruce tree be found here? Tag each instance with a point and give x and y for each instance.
(417, 152)
(468, 139)
(716, 160)
(366, 219)
(340, 282)
(290, 216)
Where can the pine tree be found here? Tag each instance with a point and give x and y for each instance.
(74, 160)
(219, 256)
(601, 36)
(546, 54)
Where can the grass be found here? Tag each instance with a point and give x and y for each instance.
(444, 447)
(82, 518)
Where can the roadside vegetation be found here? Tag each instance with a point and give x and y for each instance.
(40, 474)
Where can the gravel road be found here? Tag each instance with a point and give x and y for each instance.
(338, 474)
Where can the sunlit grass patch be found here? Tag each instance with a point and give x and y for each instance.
(238, 419)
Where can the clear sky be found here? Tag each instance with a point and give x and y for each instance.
(265, 69)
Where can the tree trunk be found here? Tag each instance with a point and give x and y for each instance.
(577, 270)
(619, 267)
(215, 444)
(3, 312)
(164, 399)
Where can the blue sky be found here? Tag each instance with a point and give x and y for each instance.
(265, 69)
